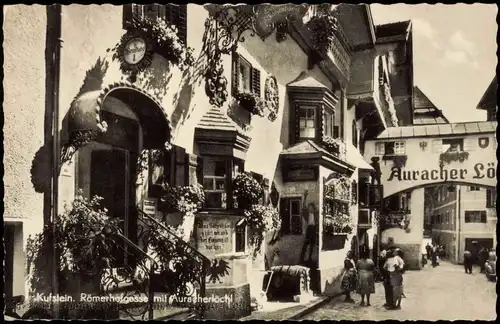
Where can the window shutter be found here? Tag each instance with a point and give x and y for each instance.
(469, 144)
(235, 74)
(199, 170)
(483, 216)
(285, 216)
(488, 198)
(256, 81)
(177, 16)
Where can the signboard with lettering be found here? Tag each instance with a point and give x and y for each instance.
(449, 162)
(215, 236)
(149, 207)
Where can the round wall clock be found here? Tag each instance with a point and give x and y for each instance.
(134, 50)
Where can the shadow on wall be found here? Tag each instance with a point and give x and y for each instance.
(41, 167)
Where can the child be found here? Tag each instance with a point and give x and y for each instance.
(349, 280)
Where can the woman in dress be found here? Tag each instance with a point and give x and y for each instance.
(349, 280)
(366, 280)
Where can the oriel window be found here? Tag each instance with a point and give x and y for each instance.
(307, 122)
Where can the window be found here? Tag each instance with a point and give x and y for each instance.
(215, 183)
(473, 188)
(354, 134)
(246, 78)
(453, 145)
(475, 216)
(307, 122)
(175, 14)
(329, 124)
(394, 148)
(379, 148)
(491, 198)
(291, 215)
(453, 216)
(447, 217)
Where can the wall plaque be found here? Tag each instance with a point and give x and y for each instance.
(215, 236)
(300, 173)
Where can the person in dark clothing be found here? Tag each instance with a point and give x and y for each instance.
(468, 261)
(310, 215)
(483, 256)
(428, 249)
(434, 256)
(389, 296)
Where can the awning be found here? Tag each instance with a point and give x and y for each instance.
(84, 114)
(355, 158)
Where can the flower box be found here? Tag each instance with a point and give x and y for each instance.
(448, 157)
(251, 102)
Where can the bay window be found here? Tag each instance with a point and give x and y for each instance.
(218, 174)
(329, 122)
(307, 122)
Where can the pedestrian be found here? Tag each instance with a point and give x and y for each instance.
(483, 256)
(310, 215)
(389, 300)
(467, 261)
(395, 267)
(348, 283)
(434, 256)
(428, 249)
(366, 280)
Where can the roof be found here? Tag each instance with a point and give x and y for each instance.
(304, 80)
(353, 156)
(425, 111)
(215, 119)
(439, 130)
(489, 97)
(393, 30)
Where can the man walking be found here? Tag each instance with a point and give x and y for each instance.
(389, 296)
(311, 216)
(467, 261)
(428, 249)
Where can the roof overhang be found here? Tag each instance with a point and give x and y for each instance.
(221, 142)
(318, 158)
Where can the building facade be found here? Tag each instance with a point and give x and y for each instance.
(489, 101)
(285, 106)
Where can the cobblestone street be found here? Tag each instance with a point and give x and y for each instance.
(441, 293)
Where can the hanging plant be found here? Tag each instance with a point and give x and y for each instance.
(399, 161)
(335, 146)
(261, 219)
(448, 157)
(247, 190)
(391, 110)
(251, 102)
(323, 29)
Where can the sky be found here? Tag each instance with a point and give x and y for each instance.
(454, 49)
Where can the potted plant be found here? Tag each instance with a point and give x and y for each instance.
(251, 102)
(83, 250)
(185, 200)
(448, 157)
(261, 219)
(247, 190)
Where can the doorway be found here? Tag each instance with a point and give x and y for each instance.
(107, 168)
(474, 245)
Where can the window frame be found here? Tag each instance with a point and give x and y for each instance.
(286, 211)
(452, 141)
(380, 148)
(329, 115)
(231, 163)
(314, 118)
(244, 63)
(254, 81)
(475, 216)
(491, 198)
(474, 188)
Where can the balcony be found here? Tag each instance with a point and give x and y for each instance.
(370, 196)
